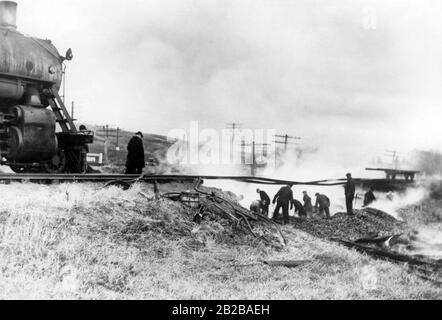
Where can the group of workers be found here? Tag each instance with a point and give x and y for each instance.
(284, 200)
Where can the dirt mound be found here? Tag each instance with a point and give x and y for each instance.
(365, 223)
(83, 241)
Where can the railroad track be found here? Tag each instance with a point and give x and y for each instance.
(101, 177)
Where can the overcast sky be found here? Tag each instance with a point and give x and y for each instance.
(347, 75)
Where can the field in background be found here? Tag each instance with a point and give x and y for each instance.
(82, 241)
(155, 146)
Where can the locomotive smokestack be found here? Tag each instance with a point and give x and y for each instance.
(8, 14)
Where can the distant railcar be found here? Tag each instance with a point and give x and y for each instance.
(37, 134)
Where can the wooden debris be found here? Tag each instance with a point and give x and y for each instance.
(387, 254)
(380, 241)
(288, 263)
(145, 196)
(427, 269)
(219, 204)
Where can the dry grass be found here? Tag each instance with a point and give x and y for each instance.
(72, 241)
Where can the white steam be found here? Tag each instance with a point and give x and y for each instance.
(391, 202)
(312, 166)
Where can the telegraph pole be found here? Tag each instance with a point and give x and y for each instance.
(285, 140)
(394, 155)
(233, 126)
(254, 164)
(106, 158)
(118, 136)
(253, 170)
(108, 135)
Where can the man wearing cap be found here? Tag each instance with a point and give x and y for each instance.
(135, 155)
(349, 194)
(265, 201)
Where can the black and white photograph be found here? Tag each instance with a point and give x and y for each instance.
(236, 152)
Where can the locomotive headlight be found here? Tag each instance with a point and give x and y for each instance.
(52, 69)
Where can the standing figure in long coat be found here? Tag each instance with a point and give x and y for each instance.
(135, 155)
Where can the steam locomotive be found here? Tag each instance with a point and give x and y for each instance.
(37, 134)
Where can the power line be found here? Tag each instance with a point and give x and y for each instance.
(285, 140)
(108, 133)
(254, 145)
(233, 126)
(395, 157)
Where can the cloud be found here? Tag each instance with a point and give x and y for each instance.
(308, 68)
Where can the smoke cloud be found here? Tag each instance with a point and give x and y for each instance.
(355, 77)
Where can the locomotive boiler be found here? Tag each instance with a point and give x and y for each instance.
(37, 134)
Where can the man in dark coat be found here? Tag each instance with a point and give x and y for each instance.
(135, 155)
(349, 194)
(308, 207)
(323, 202)
(369, 197)
(299, 208)
(283, 199)
(265, 201)
(85, 150)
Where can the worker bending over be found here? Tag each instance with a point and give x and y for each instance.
(323, 202)
(265, 201)
(299, 208)
(369, 197)
(256, 206)
(283, 199)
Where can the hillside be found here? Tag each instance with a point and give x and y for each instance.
(91, 242)
(155, 147)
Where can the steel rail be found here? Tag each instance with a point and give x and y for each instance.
(99, 177)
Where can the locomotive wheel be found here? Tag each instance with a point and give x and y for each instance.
(57, 164)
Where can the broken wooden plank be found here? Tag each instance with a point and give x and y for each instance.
(376, 240)
(384, 254)
(286, 263)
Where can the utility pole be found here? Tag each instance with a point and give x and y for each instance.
(254, 164)
(118, 135)
(233, 126)
(106, 158)
(395, 158)
(109, 134)
(253, 170)
(243, 152)
(285, 140)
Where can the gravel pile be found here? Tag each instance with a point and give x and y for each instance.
(365, 223)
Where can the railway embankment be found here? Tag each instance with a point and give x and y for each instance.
(81, 241)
